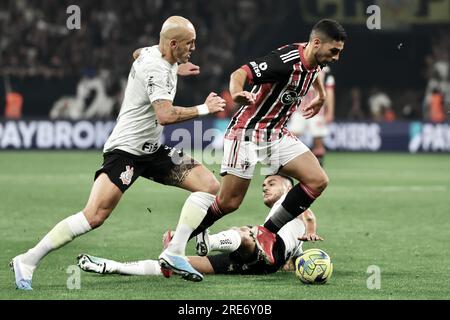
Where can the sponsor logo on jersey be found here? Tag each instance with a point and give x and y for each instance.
(169, 85)
(150, 147)
(289, 97)
(127, 175)
(258, 68)
(150, 85)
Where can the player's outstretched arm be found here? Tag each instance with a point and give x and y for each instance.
(309, 219)
(166, 113)
(237, 83)
(184, 69)
(319, 87)
(314, 107)
(188, 69)
(330, 101)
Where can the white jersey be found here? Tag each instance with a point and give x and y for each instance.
(151, 78)
(290, 233)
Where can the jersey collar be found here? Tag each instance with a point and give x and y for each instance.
(301, 48)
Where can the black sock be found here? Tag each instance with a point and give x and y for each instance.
(296, 202)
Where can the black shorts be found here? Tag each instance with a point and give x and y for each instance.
(232, 263)
(167, 166)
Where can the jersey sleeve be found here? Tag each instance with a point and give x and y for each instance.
(328, 78)
(329, 81)
(156, 85)
(268, 69)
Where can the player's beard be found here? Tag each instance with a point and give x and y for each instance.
(320, 60)
(182, 57)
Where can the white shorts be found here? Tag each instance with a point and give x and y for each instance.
(240, 157)
(316, 126)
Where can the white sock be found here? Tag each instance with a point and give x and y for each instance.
(61, 234)
(225, 241)
(192, 214)
(138, 268)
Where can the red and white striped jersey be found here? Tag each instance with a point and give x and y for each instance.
(281, 79)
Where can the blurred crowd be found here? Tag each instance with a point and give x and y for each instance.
(35, 42)
(431, 104)
(35, 39)
(436, 100)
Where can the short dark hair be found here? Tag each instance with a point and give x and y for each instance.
(330, 29)
(281, 175)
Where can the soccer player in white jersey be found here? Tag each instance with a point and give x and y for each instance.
(133, 148)
(317, 126)
(257, 134)
(239, 253)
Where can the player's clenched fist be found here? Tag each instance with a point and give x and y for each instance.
(244, 98)
(215, 103)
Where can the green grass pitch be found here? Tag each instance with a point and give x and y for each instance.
(385, 210)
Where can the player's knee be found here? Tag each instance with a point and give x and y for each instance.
(318, 184)
(244, 232)
(208, 184)
(247, 241)
(211, 186)
(248, 244)
(321, 183)
(96, 222)
(96, 217)
(228, 205)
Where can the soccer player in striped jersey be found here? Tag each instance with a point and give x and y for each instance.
(257, 133)
(317, 125)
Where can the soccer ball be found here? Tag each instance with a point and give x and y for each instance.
(314, 266)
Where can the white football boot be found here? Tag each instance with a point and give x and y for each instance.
(93, 264)
(202, 245)
(23, 273)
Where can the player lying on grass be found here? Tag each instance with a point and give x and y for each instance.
(240, 254)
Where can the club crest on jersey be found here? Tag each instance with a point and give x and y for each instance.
(246, 164)
(289, 97)
(127, 175)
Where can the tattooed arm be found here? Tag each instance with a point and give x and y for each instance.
(166, 113)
